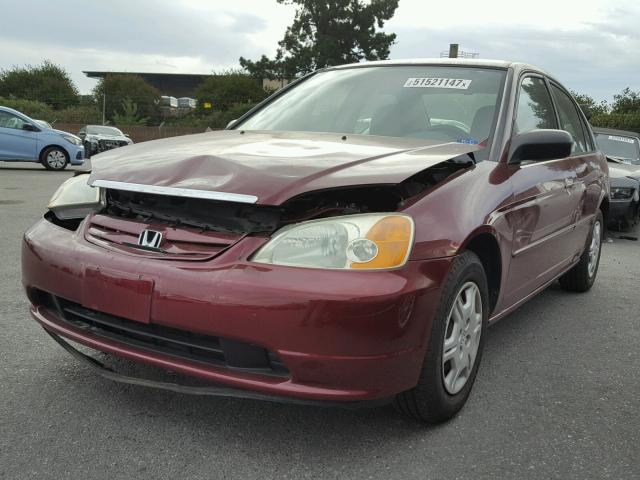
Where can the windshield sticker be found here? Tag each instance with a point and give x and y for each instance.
(619, 139)
(457, 83)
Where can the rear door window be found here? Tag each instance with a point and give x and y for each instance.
(570, 120)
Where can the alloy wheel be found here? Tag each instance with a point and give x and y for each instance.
(56, 159)
(462, 338)
(594, 248)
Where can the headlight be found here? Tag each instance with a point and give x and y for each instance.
(621, 193)
(362, 242)
(75, 199)
(74, 140)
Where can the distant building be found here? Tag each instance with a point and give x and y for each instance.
(170, 84)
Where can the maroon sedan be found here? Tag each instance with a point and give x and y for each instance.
(346, 241)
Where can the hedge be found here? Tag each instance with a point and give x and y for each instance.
(621, 121)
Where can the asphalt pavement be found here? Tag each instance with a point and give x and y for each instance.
(557, 396)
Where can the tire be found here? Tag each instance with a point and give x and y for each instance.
(54, 158)
(436, 398)
(582, 276)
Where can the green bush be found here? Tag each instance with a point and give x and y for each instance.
(31, 108)
(120, 89)
(214, 120)
(88, 114)
(226, 90)
(621, 121)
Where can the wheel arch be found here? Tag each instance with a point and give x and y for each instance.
(46, 147)
(484, 243)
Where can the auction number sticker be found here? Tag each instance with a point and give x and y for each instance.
(621, 139)
(457, 83)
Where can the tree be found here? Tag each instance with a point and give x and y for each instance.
(226, 89)
(130, 114)
(327, 33)
(265, 68)
(589, 105)
(115, 89)
(626, 101)
(47, 83)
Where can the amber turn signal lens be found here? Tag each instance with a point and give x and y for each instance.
(393, 235)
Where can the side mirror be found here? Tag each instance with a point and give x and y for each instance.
(540, 145)
(127, 135)
(231, 123)
(29, 127)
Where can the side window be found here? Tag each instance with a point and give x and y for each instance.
(588, 134)
(534, 109)
(570, 120)
(8, 120)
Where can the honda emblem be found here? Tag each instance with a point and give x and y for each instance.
(150, 239)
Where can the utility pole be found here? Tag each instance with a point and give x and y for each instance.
(104, 106)
(453, 50)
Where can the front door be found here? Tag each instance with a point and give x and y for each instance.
(15, 142)
(544, 208)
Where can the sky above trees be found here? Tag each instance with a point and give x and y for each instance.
(592, 46)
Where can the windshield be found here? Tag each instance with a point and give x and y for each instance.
(101, 130)
(440, 103)
(42, 123)
(619, 146)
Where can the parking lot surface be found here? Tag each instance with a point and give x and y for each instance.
(557, 396)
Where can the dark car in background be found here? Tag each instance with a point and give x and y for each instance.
(349, 239)
(619, 144)
(622, 149)
(100, 138)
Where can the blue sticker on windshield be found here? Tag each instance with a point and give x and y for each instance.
(468, 141)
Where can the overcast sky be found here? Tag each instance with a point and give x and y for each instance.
(592, 46)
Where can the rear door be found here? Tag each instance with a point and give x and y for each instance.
(586, 187)
(543, 213)
(16, 143)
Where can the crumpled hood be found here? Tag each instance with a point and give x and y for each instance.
(273, 166)
(102, 136)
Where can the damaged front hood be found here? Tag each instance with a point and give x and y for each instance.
(271, 166)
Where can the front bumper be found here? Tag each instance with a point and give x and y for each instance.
(342, 335)
(76, 154)
(623, 212)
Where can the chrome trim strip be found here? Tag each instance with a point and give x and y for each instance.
(544, 239)
(176, 192)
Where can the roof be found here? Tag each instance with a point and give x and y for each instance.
(613, 131)
(472, 62)
(171, 84)
(11, 110)
(100, 74)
